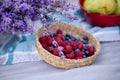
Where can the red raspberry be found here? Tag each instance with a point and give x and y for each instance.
(49, 40)
(59, 41)
(80, 45)
(56, 51)
(57, 38)
(59, 31)
(91, 50)
(44, 45)
(60, 36)
(70, 56)
(67, 49)
(64, 44)
(73, 44)
(42, 39)
(50, 49)
(79, 54)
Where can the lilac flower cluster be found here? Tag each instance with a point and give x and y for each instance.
(17, 16)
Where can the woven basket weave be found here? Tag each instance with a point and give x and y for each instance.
(68, 63)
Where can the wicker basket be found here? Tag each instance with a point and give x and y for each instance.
(68, 63)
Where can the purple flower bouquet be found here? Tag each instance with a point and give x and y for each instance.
(18, 16)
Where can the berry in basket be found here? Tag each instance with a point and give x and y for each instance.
(70, 46)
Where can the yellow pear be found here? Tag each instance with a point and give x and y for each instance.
(100, 6)
(118, 7)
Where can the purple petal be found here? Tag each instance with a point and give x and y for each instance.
(60, 48)
(62, 56)
(54, 43)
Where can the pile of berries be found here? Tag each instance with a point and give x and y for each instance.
(68, 45)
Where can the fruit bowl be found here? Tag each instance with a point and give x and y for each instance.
(100, 19)
(67, 63)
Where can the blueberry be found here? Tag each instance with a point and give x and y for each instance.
(70, 37)
(83, 50)
(73, 38)
(53, 46)
(86, 46)
(87, 53)
(77, 40)
(67, 39)
(84, 56)
(85, 42)
(53, 35)
(77, 50)
(85, 38)
(67, 35)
